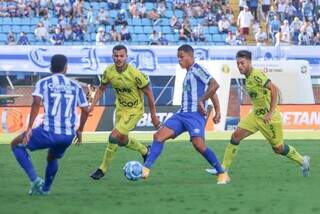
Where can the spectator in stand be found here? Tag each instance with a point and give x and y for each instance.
(115, 36)
(231, 39)
(265, 8)
(101, 36)
(285, 29)
(224, 25)
(307, 9)
(281, 7)
(21, 7)
(290, 12)
(209, 19)
(253, 4)
(239, 38)
(261, 37)
(23, 40)
(270, 16)
(175, 24)
(229, 15)
(78, 8)
(244, 22)
(41, 32)
(68, 34)
(114, 4)
(154, 16)
(274, 29)
(282, 38)
(102, 18)
(133, 10)
(121, 18)
(185, 34)
(295, 29)
(12, 8)
(90, 18)
(161, 8)
(198, 34)
(316, 40)
(62, 22)
(242, 4)
(162, 39)
(78, 33)
(57, 37)
(125, 34)
(11, 39)
(154, 38)
(142, 10)
(303, 38)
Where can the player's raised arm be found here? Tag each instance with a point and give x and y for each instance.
(211, 90)
(148, 92)
(274, 99)
(216, 106)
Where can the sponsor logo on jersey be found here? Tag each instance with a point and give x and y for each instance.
(128, 103)
(122, 90)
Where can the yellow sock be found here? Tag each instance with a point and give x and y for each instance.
(229, 154)
(294, 155)
(134, 145)
(108, 156)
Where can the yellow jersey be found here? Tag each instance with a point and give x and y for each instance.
(128, 87)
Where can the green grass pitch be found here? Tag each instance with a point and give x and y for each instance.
(262, 182)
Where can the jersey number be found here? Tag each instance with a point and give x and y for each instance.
(57, 103)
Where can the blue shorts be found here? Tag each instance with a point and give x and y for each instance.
(56, 143)
(193, 122)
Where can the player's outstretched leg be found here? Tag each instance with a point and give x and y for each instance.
(156, 148)
(135, 145)
(212, 159)
(24, 160)
(107, 158)
(293, 154)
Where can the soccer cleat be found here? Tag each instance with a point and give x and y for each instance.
(147, 154)
(305, 168)
(223, 178)
(97, 175)
(145, 173)
(213, 171)
(36, 186)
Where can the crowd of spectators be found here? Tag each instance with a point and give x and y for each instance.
(283, 22)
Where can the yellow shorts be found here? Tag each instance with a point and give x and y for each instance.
(125, 121)
(271, 131)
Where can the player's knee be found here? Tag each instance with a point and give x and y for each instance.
(199, 146)
(235, 139)
(14, 143)
(157, 137)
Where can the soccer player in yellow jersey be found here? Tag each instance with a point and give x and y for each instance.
(129, 85)
(265, 116)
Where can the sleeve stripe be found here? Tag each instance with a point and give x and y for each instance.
(266, 83)
(143, 87)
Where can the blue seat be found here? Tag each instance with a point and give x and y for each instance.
(145, 22)
(15, 28)
(166, 29)
(216, 38)
(149, 6)
(130, 28)
(95, 5)
(213, 29)
(164, 22)
(138, 29)
(136, 22)
(6, 28)
(6, 21)
(17, 21)
(157, 28)
(34, 21)
(26, 21)
(143, 38)
(3, 37)
(208, 37)
(134, 37)
(170, 37)
(147, 29)
(113, 13)
(223, 37)
(179, 13)
(205, 30)
(168, 13)
(26, 28)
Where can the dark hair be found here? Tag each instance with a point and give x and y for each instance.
(244, 54)
(186, 48)
(118, 48)
(58, 62)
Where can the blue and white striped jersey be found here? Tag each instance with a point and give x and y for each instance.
(194, 86)
(60, 96)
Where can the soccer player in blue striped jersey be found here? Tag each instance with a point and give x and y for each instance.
(60, 97)
(198, 87)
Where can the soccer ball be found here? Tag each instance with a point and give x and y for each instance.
(133, 170)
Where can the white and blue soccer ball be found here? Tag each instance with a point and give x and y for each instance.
(133, 170)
